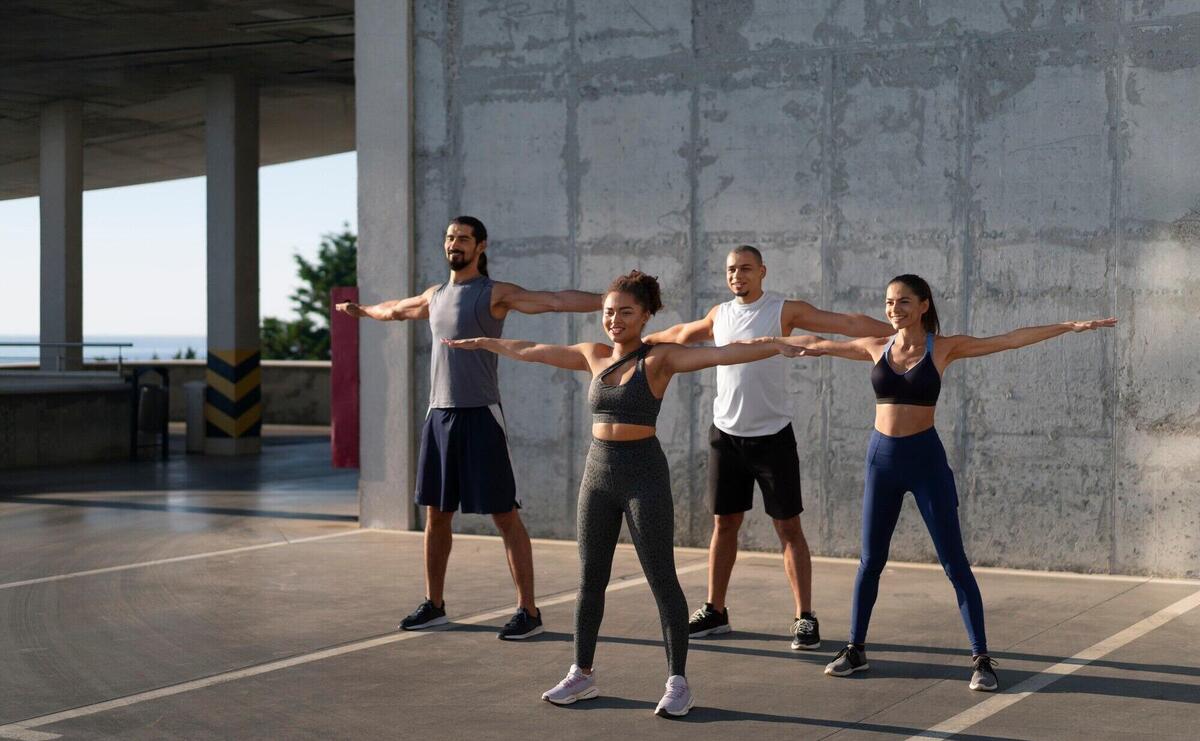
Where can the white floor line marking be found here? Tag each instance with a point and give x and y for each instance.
(1002, 570)
(23, 727)
(177, 559)
(1046, 677)
(24, 734)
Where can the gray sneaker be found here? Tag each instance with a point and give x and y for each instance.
(983, 679)
(678, 699)
(849, 660)
(575, 686)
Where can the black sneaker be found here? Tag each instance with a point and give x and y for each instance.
(806, 633)
(521, 626)
(708, 622)
(983, 679)
(849, 660)
(425, 616)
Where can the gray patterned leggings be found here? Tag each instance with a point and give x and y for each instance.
(628, 479)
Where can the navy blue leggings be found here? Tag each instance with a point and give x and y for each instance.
(915, 463)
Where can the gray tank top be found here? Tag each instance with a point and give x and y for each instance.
(630, 403)
(463, 378)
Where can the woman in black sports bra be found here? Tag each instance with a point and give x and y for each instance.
(905, 453)
(626, 472)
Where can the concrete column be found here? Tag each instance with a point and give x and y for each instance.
(383, 68)
(61, 204)
(233, 406)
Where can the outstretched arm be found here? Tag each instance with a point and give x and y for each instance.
(688, 333)
(807, 344)
(511, 297)
(804, 316)
(571, 357)
(680, 359)
(965, 346)
(413, 307)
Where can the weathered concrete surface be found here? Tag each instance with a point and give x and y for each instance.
(51, 419)
(294, 392)
(384, 132)
(1035, 161)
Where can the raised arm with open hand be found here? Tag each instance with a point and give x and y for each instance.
(413, 307)
(810, 345)
(570, 357)
(680, 359)
(961, 346)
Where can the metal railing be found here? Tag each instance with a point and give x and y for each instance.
(60, 359)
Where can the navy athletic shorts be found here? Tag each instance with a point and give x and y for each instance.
(464, 461)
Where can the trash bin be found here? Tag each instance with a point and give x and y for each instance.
(193, 396)
(151, 409)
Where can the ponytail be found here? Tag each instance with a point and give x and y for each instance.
(918, 285)
(481, 263)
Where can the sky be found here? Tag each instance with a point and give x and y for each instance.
(144, 248)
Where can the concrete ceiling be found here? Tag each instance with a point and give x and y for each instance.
(139, 67)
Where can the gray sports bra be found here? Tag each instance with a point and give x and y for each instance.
(630, 403)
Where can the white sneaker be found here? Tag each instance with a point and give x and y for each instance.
(678, 699)
(575, 686)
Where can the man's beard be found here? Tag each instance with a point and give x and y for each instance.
(457, 262)
(742, 293)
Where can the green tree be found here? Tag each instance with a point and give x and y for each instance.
(307, 338)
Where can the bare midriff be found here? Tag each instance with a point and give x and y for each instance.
(902, 420)
(620, 432)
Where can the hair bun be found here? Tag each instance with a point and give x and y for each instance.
(644, 289)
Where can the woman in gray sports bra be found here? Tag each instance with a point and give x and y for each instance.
(626, 473)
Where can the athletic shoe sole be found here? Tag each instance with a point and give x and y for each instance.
(535, 632)
(664, 713)
(431, 624)
(711, 631)
(983, 688)
(847, 673)
(805, 646)
(587, 694)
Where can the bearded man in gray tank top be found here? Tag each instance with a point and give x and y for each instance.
(464, 461)
(751, 439)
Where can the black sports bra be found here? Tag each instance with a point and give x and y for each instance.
(918, 386)
(630, 403)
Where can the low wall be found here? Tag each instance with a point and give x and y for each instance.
(52, 421)
(295, 392)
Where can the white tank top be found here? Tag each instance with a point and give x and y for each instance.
(751, 398)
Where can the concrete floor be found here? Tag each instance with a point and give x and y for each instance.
(239, 599)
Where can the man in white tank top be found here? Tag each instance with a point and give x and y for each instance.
(751, 439)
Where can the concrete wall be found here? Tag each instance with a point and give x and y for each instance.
(1036, 161)
(55, 419)
(295, 392)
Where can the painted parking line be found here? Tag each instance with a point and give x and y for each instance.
(1001, 570)
(1046, 677)
(177, 559)
(24, 730)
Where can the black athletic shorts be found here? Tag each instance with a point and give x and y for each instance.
(464, 461)
(735, 463)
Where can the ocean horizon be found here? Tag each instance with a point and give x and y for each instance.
(145, 347)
